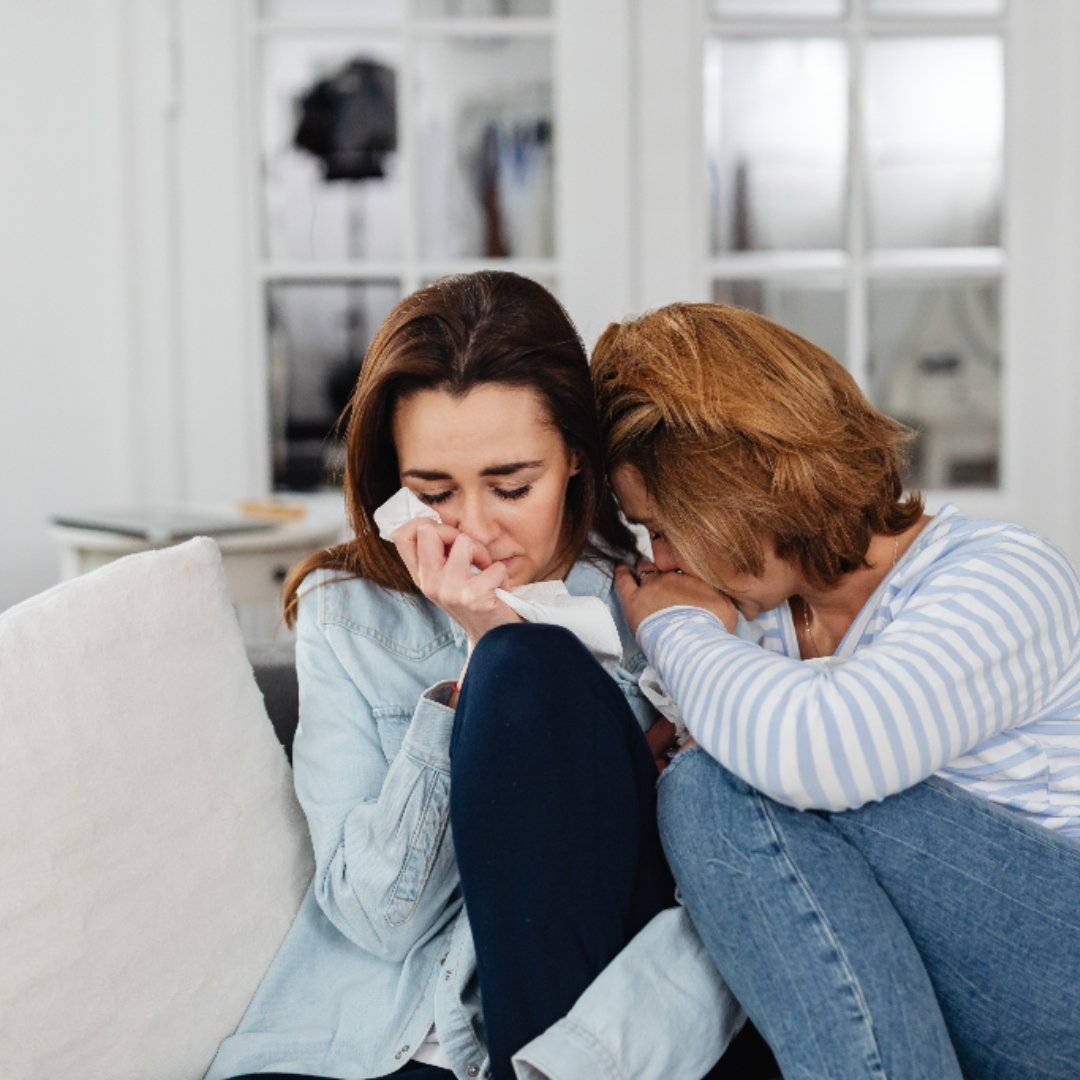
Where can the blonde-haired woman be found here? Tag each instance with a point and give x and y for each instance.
(877, 832)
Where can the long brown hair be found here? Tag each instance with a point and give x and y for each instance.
(456, 334)
(741, 428)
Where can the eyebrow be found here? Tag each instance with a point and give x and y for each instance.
(508, 469)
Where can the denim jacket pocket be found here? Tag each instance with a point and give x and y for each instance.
(432, 789)
(395, 633)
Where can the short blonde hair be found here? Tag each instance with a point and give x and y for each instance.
(741, 429)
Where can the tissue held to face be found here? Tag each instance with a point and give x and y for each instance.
(494, 467)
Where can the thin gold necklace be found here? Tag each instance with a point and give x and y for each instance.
(806, 605)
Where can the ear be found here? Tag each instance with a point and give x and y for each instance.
(575, 462)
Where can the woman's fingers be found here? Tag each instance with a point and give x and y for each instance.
(406, 540)
(457, 573)
(661, 737)
(459, 559)
(652, 590)
(464, 581)
(467, 595)
(481, 557)
(645, 569)
(430, 557)
(407, 533)
(480, 588)
(625, 582)
(451, 576)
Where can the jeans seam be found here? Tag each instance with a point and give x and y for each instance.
(878, 1065)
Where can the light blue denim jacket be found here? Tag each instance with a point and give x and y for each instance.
(381, 946)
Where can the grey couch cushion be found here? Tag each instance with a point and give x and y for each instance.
(275, 672)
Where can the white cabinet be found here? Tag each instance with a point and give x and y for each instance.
(255, 563)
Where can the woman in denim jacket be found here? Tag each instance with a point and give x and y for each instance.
(489, 881)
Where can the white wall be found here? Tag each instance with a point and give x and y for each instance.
(63, 403)
(1042, 331)
(125, 287)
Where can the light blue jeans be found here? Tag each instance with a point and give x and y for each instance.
(932, 935)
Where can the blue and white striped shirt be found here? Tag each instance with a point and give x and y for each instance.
(964, 663)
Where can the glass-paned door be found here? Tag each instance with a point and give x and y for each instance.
(398, 141)
(854, 172)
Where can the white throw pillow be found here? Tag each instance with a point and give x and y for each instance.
(152, 855)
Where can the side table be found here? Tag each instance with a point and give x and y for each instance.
(255, 563)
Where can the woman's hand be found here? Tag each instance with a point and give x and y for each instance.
(653, 590)
(661, 738)
(440, 559)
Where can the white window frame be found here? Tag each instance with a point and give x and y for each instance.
(1039, 377)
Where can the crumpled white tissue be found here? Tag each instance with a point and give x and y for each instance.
(402, 506)
(587, 617)
(657, 695)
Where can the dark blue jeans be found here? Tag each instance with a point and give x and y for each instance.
(553, 813)
(414, 1070)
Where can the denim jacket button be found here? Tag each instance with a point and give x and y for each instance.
(473, 1070)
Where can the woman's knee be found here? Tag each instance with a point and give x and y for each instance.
(701, 805)
(516, 691)
(534, 695)
(524, 655)
(532, 678)
(692, 781)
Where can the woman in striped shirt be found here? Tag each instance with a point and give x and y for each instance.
(876, 823)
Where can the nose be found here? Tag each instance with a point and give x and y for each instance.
(477, 521)
(666, 556)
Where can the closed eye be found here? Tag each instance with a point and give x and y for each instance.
(433, 500)
(513, 493)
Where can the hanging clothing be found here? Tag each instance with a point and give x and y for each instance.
(349, 121)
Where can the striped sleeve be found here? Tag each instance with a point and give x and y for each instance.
(978, 647)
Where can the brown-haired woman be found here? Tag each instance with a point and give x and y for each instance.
(877, 831)
(439, 951)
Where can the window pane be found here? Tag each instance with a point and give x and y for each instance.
(479, 9)
(776, 136)
(935, 141)
(317, 334)
(484, 133)
(766, 9)
(936, 9)
(332, 172)
(336, 11)
(815, 311)
(936, 365)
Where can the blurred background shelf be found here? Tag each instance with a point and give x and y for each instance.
(256, 561)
